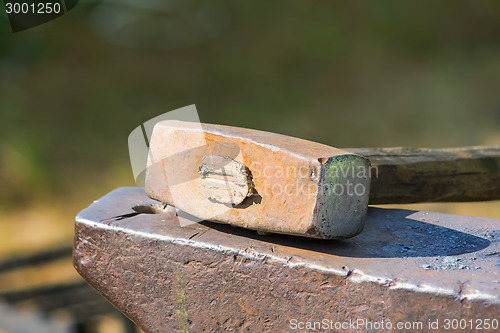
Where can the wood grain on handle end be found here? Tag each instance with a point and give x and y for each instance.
(410, 175)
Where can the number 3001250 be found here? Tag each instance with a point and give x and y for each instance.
(32, 8)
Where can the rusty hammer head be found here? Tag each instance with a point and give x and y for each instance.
(258, 180)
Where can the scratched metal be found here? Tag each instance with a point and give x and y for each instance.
(299, 187)
(405, 266)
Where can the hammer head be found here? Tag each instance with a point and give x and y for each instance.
(258, 180)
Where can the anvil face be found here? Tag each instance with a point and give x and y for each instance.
(258, 180)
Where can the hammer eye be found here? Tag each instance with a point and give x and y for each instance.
(224, 180)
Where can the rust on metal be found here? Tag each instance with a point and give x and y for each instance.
(276, 183)
(269, 182)
(409, 266)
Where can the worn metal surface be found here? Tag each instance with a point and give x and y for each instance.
(298, 187)
(407, 267)
(224, 180)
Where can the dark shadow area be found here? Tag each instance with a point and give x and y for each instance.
(388, 233)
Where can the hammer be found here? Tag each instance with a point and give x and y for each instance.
(274, 183)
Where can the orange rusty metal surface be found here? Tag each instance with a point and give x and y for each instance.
(287, 175)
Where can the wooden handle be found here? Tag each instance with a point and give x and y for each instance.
(409, 175)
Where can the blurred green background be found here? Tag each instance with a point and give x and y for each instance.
(350, 74)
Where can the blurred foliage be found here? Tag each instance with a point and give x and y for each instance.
(357, 73)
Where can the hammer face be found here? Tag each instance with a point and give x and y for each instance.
(258, 180)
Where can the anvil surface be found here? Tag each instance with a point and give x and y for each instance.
(406, 266)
